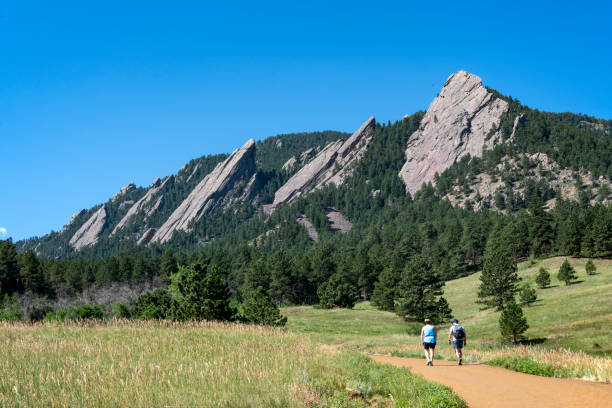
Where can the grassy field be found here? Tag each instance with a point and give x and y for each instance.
(147, 364)
(570, 331)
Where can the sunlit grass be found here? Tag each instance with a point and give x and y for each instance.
(151, 364)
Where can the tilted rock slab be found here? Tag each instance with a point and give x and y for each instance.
(457, 122)
(212, 191)
(144, 200)
(90, 231)
(333, 164)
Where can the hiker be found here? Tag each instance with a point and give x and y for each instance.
(428, 338)
(459, 338)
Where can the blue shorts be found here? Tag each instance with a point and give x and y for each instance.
(429, 346)
(458, 344)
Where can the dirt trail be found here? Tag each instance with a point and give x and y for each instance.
(493, 387)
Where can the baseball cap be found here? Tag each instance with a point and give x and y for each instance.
(454, 321)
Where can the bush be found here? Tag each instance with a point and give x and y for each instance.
(156, 305)
(11, 310)
(84, 312)
(120, 310)
(38, 313)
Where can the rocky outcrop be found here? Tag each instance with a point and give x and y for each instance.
(142, 203)
(290, 164)
(337, 221)
(90, 231)
(517, 120)
(231, 180)
(310, 229)
(332, 165)
(147, 236)
(462, 119)
(123, 191)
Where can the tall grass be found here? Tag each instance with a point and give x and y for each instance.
(146, 364)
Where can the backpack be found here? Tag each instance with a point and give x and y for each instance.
(459, 332)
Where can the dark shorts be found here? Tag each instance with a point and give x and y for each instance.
(458, 344)
(427, 346)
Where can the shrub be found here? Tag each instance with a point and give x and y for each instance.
(154, 305)
(11, 310)
(84, 312)
(121, 310)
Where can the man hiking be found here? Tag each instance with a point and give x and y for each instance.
(459, 338)
(428, 338)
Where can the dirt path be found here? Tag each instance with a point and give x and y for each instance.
(493, 387)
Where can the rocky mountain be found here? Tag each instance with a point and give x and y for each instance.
(473, 148)
(463, 119)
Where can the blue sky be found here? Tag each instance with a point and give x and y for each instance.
(93, 97)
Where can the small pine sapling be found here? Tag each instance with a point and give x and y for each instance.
(590, 267)
(527, 295)
(567, 273)
(512, 323)
(543, 278)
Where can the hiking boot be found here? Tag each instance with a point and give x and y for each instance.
(460, 363)
(431, 363)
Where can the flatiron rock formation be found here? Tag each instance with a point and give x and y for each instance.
(337, 221)
(142, 203)
(462, 119)
(230, 181)
(332, 165)
(89, 232)
(123, 191)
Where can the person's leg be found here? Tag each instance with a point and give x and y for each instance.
(426, 353)
(431, 350)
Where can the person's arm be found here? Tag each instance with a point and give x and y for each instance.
(450, 334)
(435, 335)
(465, 340)
(422, 331)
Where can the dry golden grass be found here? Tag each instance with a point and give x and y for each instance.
(154, 364)
(165, 364)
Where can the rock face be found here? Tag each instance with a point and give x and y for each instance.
(337, 221)
(232, 180)
(310, 229)
(142, 203)
(89, 232)
(332, 165)
(124, 190)
(462, 119)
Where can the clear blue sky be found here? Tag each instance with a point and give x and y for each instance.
(93, 97)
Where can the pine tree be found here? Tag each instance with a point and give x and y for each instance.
(590, 267)
(567, 273)
(31, 273)
(259, 308)
(199, 294)
(527, 295)
(543, 278)
(336, 292)
(385, 288)
(168, 266)
(9, 268)
(512, 323)
(419, 294)
(499, 279)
